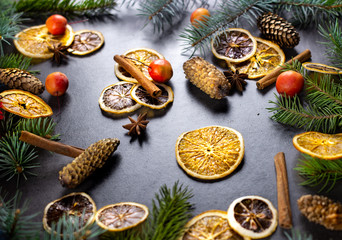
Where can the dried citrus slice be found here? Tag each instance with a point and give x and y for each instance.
(320, 145)
(213, 225)
(211, 152)
(121, 216)
(253, 216)
(24, 104)
(77, 204)
(234, 45)
(144, 57)
(33, 42)
(117, 99)
(321, 68)
(141, 96)
(267, 57)
(86, 41)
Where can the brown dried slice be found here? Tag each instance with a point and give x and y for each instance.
(86, 41)
(234, 45)
(77, 204)
(121, 216)
(252, 216)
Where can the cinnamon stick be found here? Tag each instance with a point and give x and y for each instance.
(284, 205)
(50, 145)
(272, 76)
(148, 85)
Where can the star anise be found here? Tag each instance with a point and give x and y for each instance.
(58, 52)
(236, 79)
(136, 127)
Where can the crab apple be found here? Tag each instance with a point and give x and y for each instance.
(56, 83)
(56, 24)
(289, 83)
(199, 15)
(160, 70)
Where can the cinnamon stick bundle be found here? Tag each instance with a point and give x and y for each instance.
(149, 86)
(272, 77)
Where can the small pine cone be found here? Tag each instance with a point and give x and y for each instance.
(321, 210)
(206, 77)
(279, 30)
(16, 78)
(87, 162)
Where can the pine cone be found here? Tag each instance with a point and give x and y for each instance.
(321, 210)
(206, 77)
(16, 78)
(87, 162)
(279, 30)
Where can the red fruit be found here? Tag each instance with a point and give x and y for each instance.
(199, 15)
(160, 70)
(289, 83)
(56, 24)
(56, 83)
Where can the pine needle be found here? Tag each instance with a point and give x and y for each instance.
(296, 234)
(43, 127)
(15, 60)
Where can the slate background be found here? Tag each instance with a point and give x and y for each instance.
(141, 166)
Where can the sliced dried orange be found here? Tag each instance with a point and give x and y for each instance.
(321, 68)
(319, 145)
(121, 216)
(86, 41)
(253, 216)
(234, 45)
(141, 96)
(77, 204)
(117, 99)
(267, 57)
(143, 57)
(213, 225)
(24, 104)
(211, 152)
(34, 42)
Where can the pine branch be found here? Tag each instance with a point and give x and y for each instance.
(14, 60)
(297, 235)
(43, 127)
(319, 172)
(8, 123)
(332, 32)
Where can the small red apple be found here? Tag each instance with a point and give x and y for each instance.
(199, 15)
(289, 83)
(56, 24)
(160, 70)
(56, 83)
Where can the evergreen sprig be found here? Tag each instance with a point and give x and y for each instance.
(15, 60)
(296, 234)
(319, 172)
(43, 127)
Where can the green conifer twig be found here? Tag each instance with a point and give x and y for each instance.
(296, 234)
(43, 127)
(15, 60)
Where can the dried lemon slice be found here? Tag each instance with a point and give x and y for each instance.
(267, 57)
(78, 204)
(234, 45)
(320, 145)
(211, 152)
(33, 42)
(212, 224)
(85, 42)
(121, 216)
(253, 216)
(117, 99)
(141, 96)
(321, 68)
(24, 104)
(144, 57)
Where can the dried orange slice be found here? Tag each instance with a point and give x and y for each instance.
(234, 45)
(78, 204)
(212, 224)
(144, 57)
(33, 42)
(117, 99)
(24, 104)
(121, 216)
(211, 152)
(321, 68)
(85, 42)
(319, 145)
(253, 216)
(267, 57)
(141, 96)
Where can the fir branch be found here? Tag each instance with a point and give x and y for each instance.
(319, 172)
(43, 127)
(8, 123)
(14, 60)
(297, 235)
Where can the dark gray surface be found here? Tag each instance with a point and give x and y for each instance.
(141, 166)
